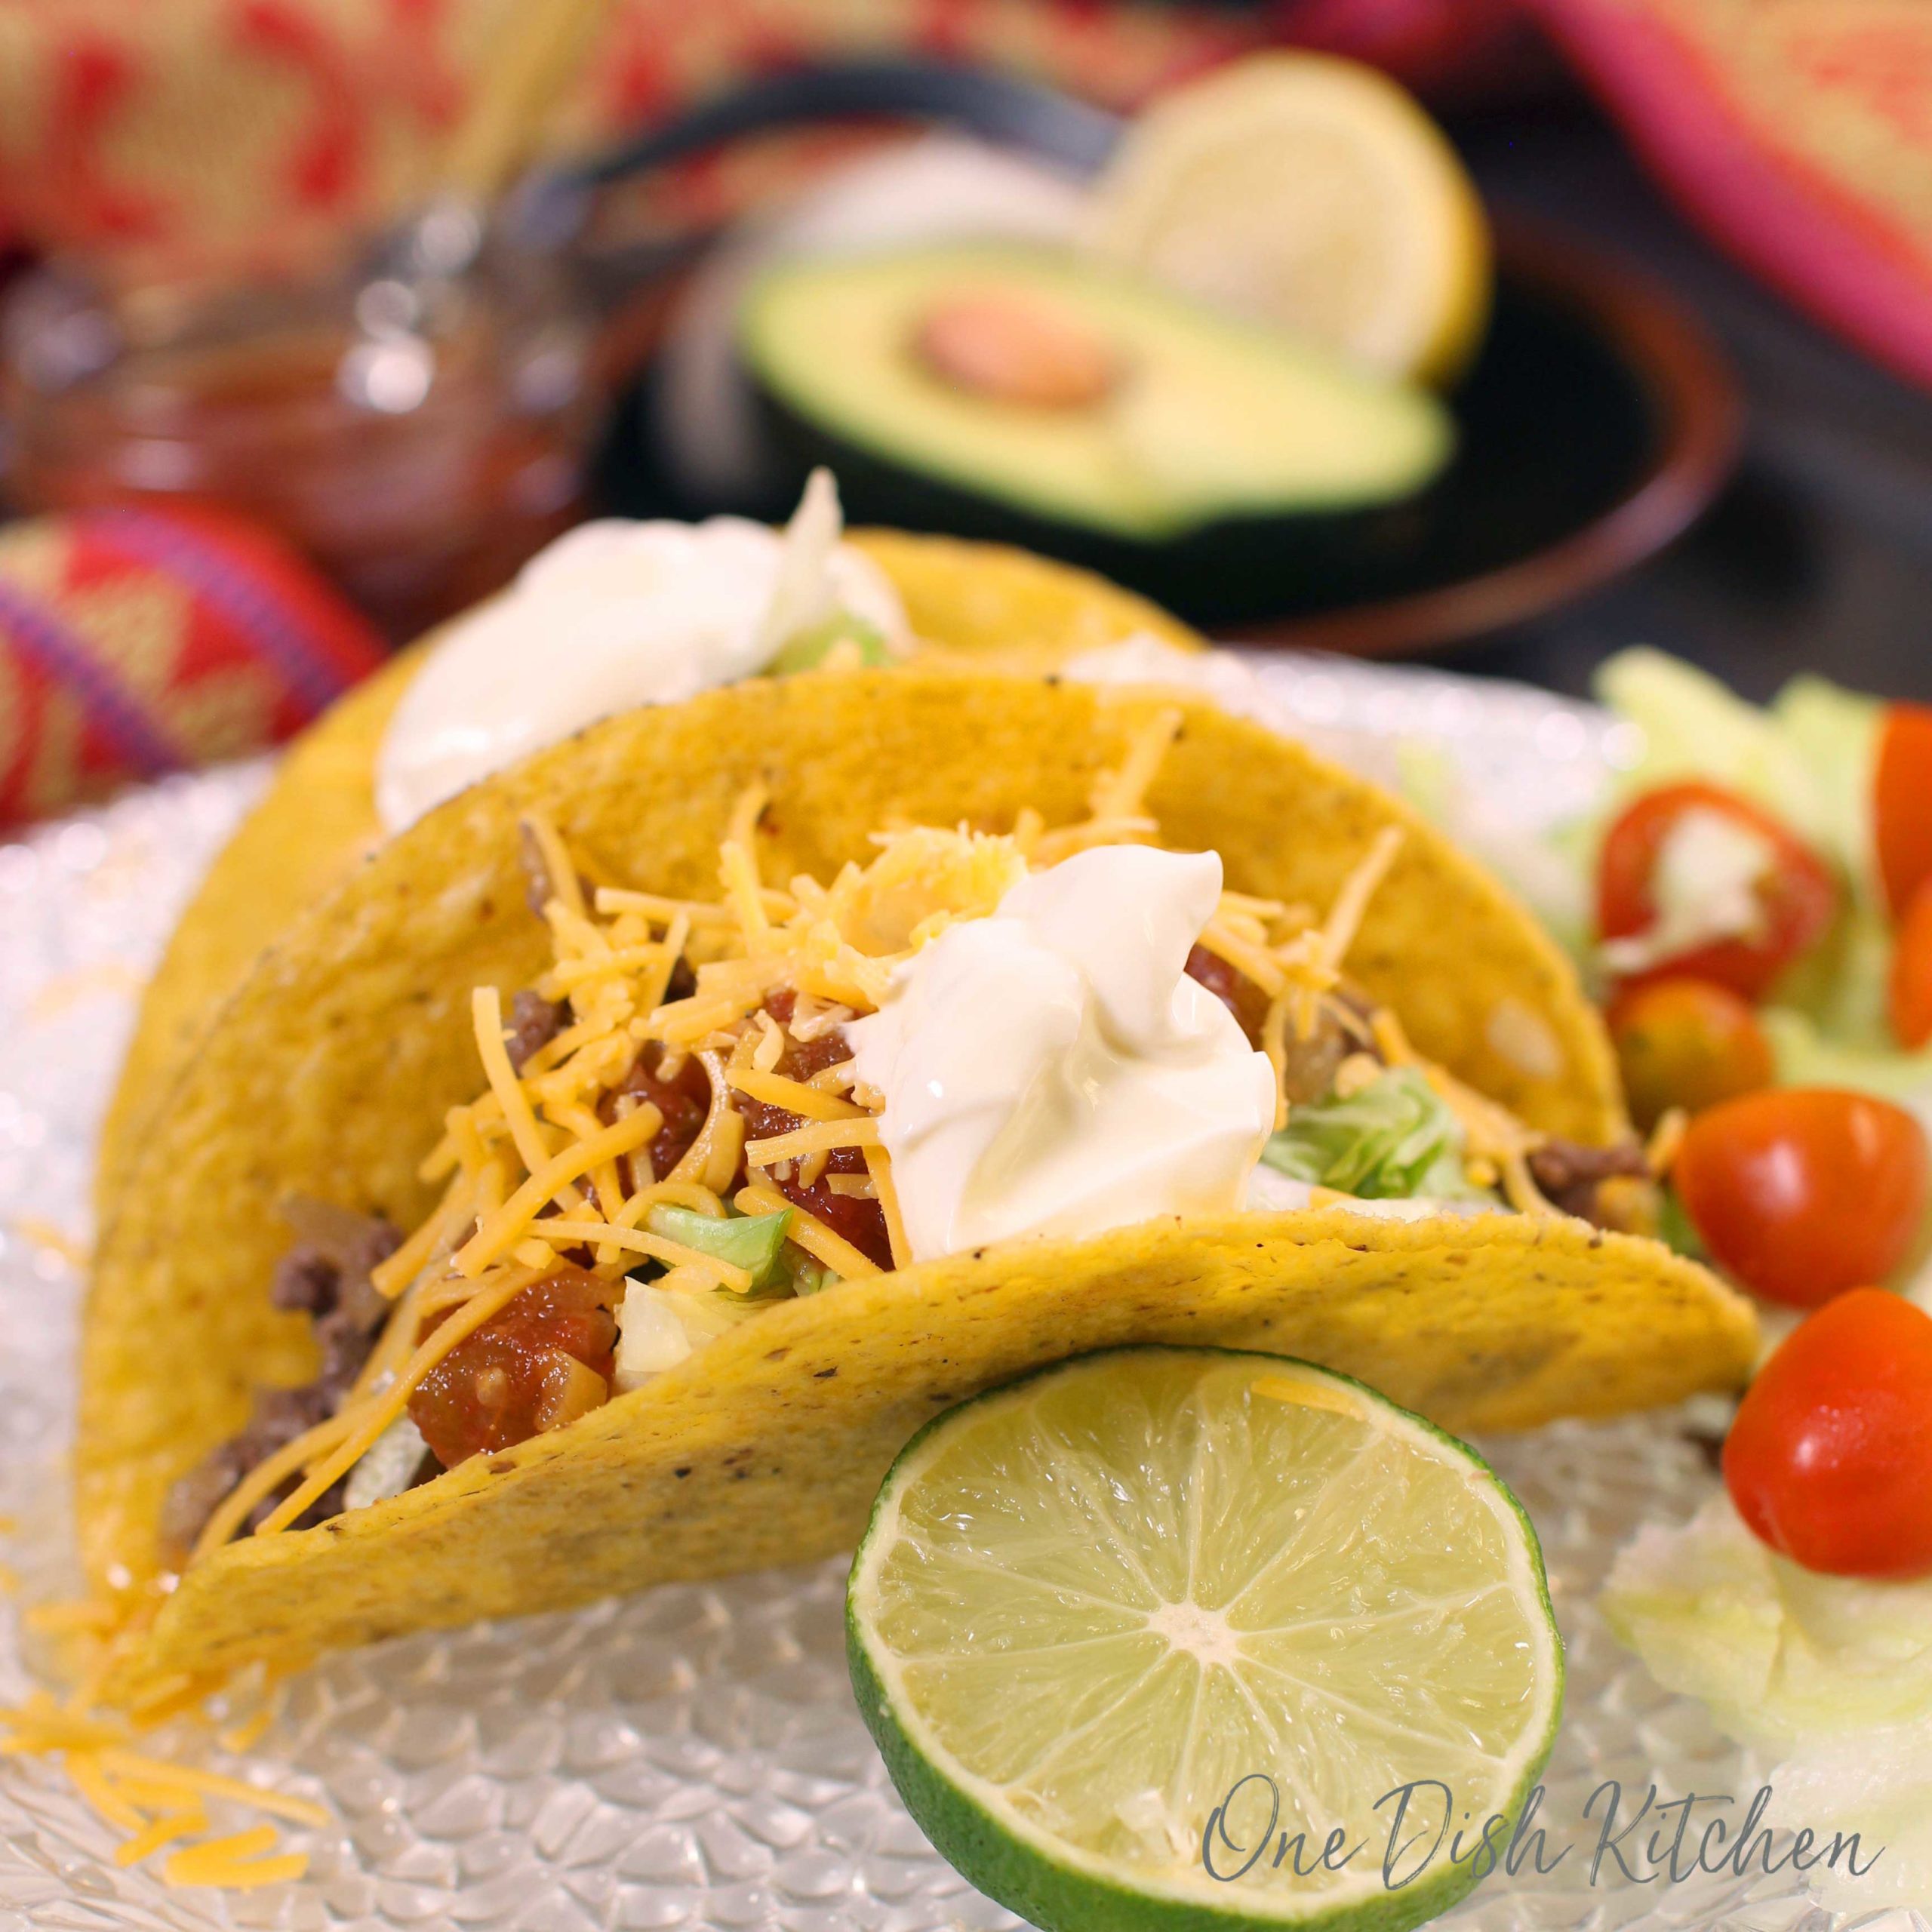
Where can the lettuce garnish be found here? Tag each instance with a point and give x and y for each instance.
(1394, 1139)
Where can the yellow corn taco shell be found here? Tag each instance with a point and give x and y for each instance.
(1004, 608)
(328, 1073)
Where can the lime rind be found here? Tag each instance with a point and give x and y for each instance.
(1062, 1887)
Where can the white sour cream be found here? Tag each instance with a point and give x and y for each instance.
(1051, 1069)
(614, 614)
(1704, 887)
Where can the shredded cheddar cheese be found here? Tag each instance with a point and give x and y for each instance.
(879, 1171)
(560, 869)
(819, 1137)
(1666, 1138)
(551, 1163)
(158, 1803)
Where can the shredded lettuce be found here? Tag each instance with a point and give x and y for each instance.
(389, 1467)
(1674, 1229)
(810, 1277)
(1781, 1655)
(1394, 1140)
(1693, 727)
(1878, 1784)
(1830, 1674)
(1806, 1056)
(806, 650)
(754, 1242)
(1835, 733)
(658, 1327)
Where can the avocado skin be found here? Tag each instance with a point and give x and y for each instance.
(1239, 570)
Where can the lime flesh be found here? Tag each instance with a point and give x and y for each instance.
(1097, 1609)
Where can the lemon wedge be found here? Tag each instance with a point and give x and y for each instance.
(1312, 193)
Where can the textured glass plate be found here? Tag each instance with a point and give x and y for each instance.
(690, 1757)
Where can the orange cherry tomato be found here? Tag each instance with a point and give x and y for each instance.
(1902, 803)
(1798, 893)
(1912, 972)
(1830, 1459)
(1802, 1192)
(1687, 1043)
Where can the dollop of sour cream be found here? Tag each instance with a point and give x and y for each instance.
(613, 614)
(1052, 1070)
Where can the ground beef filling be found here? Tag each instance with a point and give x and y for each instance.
(534, 1022)
(1611, 1187)
(330, 1284)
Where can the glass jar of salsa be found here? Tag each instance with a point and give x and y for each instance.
(417, 439)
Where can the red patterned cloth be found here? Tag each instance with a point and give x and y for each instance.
(219, 134)
(1798, 131)
(210, 135)
(137, 642)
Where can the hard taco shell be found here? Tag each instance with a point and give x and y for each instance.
(328, 1073)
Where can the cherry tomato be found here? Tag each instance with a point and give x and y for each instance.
(1902, 803)
(1687, 1043)
(1912, 972)
(1801, 1193)
(1830, 1459)
(1798, 893)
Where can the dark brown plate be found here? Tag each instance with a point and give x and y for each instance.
(1599, 421)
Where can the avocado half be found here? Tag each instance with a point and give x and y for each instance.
(1224, 467)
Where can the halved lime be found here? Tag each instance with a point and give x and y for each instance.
(1144, 1635)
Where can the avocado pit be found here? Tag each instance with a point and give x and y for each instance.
(1012, 348)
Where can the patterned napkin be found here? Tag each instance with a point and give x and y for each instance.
(137, 642)
(1798, 131)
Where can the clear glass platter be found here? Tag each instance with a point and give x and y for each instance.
(692, 1757)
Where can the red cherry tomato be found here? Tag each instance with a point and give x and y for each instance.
(1687, 1043)
(1830, 1459)
(1801, 1193)
(1912, 972)
(1902, 803)
(1798, 893)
